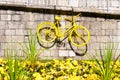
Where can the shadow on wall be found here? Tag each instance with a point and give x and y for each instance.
(59, 12)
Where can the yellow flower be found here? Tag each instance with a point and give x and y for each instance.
(61, 78)
(7, 77)
(2, 70)
(116, 78)
(75, 62)
(31, 69)
(37, 76)
(92, 77)
(1, 60)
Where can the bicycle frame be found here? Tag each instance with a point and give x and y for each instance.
(61, 34)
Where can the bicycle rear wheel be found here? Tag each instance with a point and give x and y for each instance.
(46, 35)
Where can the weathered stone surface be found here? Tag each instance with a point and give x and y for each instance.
(9, 32)
(19, 32)
(5, 17)
(71, 53)
(2, 53)
(14, 24)
(2, 32)
(3, 25)
(109, 25)
(92, 3)
(73, 3)
(16, 17)
(63, 53)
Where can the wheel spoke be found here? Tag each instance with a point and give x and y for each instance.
(46, 35)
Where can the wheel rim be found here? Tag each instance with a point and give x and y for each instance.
(42, 26)
(79, 51)
(83, 33)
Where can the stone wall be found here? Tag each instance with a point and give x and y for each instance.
(19, 16)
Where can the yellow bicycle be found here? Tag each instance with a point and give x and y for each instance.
(49, 33)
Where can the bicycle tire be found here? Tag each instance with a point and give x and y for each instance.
(82, 33)
(78, 40)
(76, 51)
(46, 35)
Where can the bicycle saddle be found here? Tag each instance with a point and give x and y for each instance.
(58, 18)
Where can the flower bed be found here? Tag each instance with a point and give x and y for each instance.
(67, 69)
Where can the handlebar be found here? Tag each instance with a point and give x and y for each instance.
(68, 18)
(72, 19)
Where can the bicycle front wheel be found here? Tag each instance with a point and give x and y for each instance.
(78, 39)
(46, 35)
(79, 36)
(79, 51)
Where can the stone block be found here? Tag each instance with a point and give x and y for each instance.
(103, 39)
(38, 17)
(17, 39)
(85, 57)
(46, 53)
(48, 17)
(63, 53)
(25, 17)
(3, 2)
(82, 3)
(54, 2)
(25, 38)
(3, 12)
(71, 53)
(109, 32)
(3, 25)
(102, 3)
(73, 3)
(109, 25)
(16, 17)
(101, 32)
(62, 2)
(92, 3)
(8, 39)
(115, 38)
(114, 3)
(41, 1)
(95, 25)
(54, 53)
(9, 32)
(5, 17)
(22, 25)
(117, 32)
(93, 39)
(92, 32)
(2, 32)
(100, 19)
(31, 25)
(33, 2)
(13, 25)
(94, 46)
(118, 25)
(3, 38)
(19, 32)
(2, 53)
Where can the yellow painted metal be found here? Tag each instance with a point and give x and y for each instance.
(59, 34)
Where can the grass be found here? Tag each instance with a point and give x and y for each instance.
(106, 54)
(31, 49)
